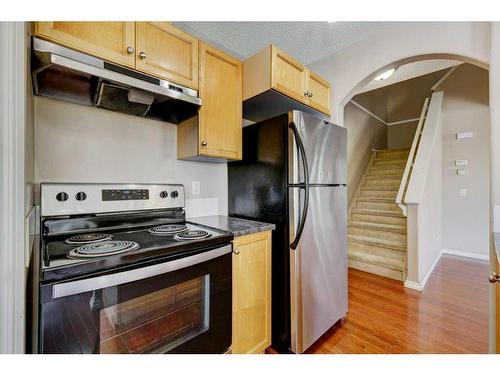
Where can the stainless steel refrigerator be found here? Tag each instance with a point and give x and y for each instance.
(294, 174)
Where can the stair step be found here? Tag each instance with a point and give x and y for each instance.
(366, 211)
(377, 270)
(397, 163)
(367, 218)
(387, 182)
(398, 172)
(379, 193)
(390, 244)
(392, 155)
(379, 256)
(378, 234)
(383, 204)
(397, 228)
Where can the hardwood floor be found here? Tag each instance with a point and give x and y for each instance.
(449, 316)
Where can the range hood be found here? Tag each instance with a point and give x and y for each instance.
(64, 74)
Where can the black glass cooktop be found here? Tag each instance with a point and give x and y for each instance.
(58, 265)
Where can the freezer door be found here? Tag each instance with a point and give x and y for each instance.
(318, 265)
(325, 146)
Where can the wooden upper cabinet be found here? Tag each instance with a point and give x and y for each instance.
(220, 112)
(318, 92)
(288, 75)
(167, 52)
(273, 69)
(217, 130)
(111, 41)
(252, 293)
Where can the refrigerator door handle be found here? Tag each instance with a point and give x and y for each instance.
(305, 185)
(303, 218)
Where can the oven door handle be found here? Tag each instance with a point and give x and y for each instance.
(114, 279)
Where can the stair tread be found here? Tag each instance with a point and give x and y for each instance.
(380, 226)
(391, 244)
(376, 199)
(389, 150)
(368, 211)
(384, 178)
(378, 188)
(394, 262)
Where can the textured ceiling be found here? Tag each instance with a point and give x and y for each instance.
(411, 70)
(306, 41)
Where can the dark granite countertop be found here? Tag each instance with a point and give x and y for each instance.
(238, 227)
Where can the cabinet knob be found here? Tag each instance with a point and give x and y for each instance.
(494, 278)
(236, 251)
(130, 50)
(306, 93)
(310, 94)
(142, 55)
(204, 143)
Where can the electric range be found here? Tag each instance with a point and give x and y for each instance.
(121, 271)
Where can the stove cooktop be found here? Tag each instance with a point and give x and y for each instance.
(64, 258)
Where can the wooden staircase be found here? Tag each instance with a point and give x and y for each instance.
(377, 226)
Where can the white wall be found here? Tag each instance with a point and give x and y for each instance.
(495, 121)
(430, 210)
(360, 62)
(466, 221)
(75, 143)
(364, 133)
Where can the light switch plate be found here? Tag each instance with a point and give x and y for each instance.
(461, 162)
(195, 187)
(461, 172)
(465, 135)
(463, 193)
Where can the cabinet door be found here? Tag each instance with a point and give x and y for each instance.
(167, 52)
(319, 92)
(220, 117)
(252, 293)
(288, 75)
(111, 41)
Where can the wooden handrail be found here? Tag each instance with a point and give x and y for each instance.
(411, 158)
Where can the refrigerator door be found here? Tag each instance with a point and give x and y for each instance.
(325, 146)
(318, 265)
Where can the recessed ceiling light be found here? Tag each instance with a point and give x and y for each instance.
(385, 74)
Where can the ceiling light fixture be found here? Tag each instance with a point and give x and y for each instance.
(385, 75)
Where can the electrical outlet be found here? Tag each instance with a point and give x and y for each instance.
(463, 193)
(195, 187)
(461, 172)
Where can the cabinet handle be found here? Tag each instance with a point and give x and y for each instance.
(494, 278)
(142, 55)
(306, 93)
(236, 251)
(204, 143)
(310, 94)
(130, 50)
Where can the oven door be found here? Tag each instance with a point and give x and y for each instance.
(180, 306)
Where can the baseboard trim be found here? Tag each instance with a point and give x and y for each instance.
(421, 285)
(465, 254)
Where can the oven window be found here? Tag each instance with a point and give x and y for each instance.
(184, 311)
(156, 322)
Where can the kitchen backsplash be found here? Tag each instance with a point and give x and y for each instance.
(80, 144)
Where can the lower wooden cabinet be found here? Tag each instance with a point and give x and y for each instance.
(252, 293)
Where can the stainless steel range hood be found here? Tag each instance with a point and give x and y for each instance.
(62, 73)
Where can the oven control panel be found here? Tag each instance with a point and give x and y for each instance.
(73, 199)
(125, 194)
